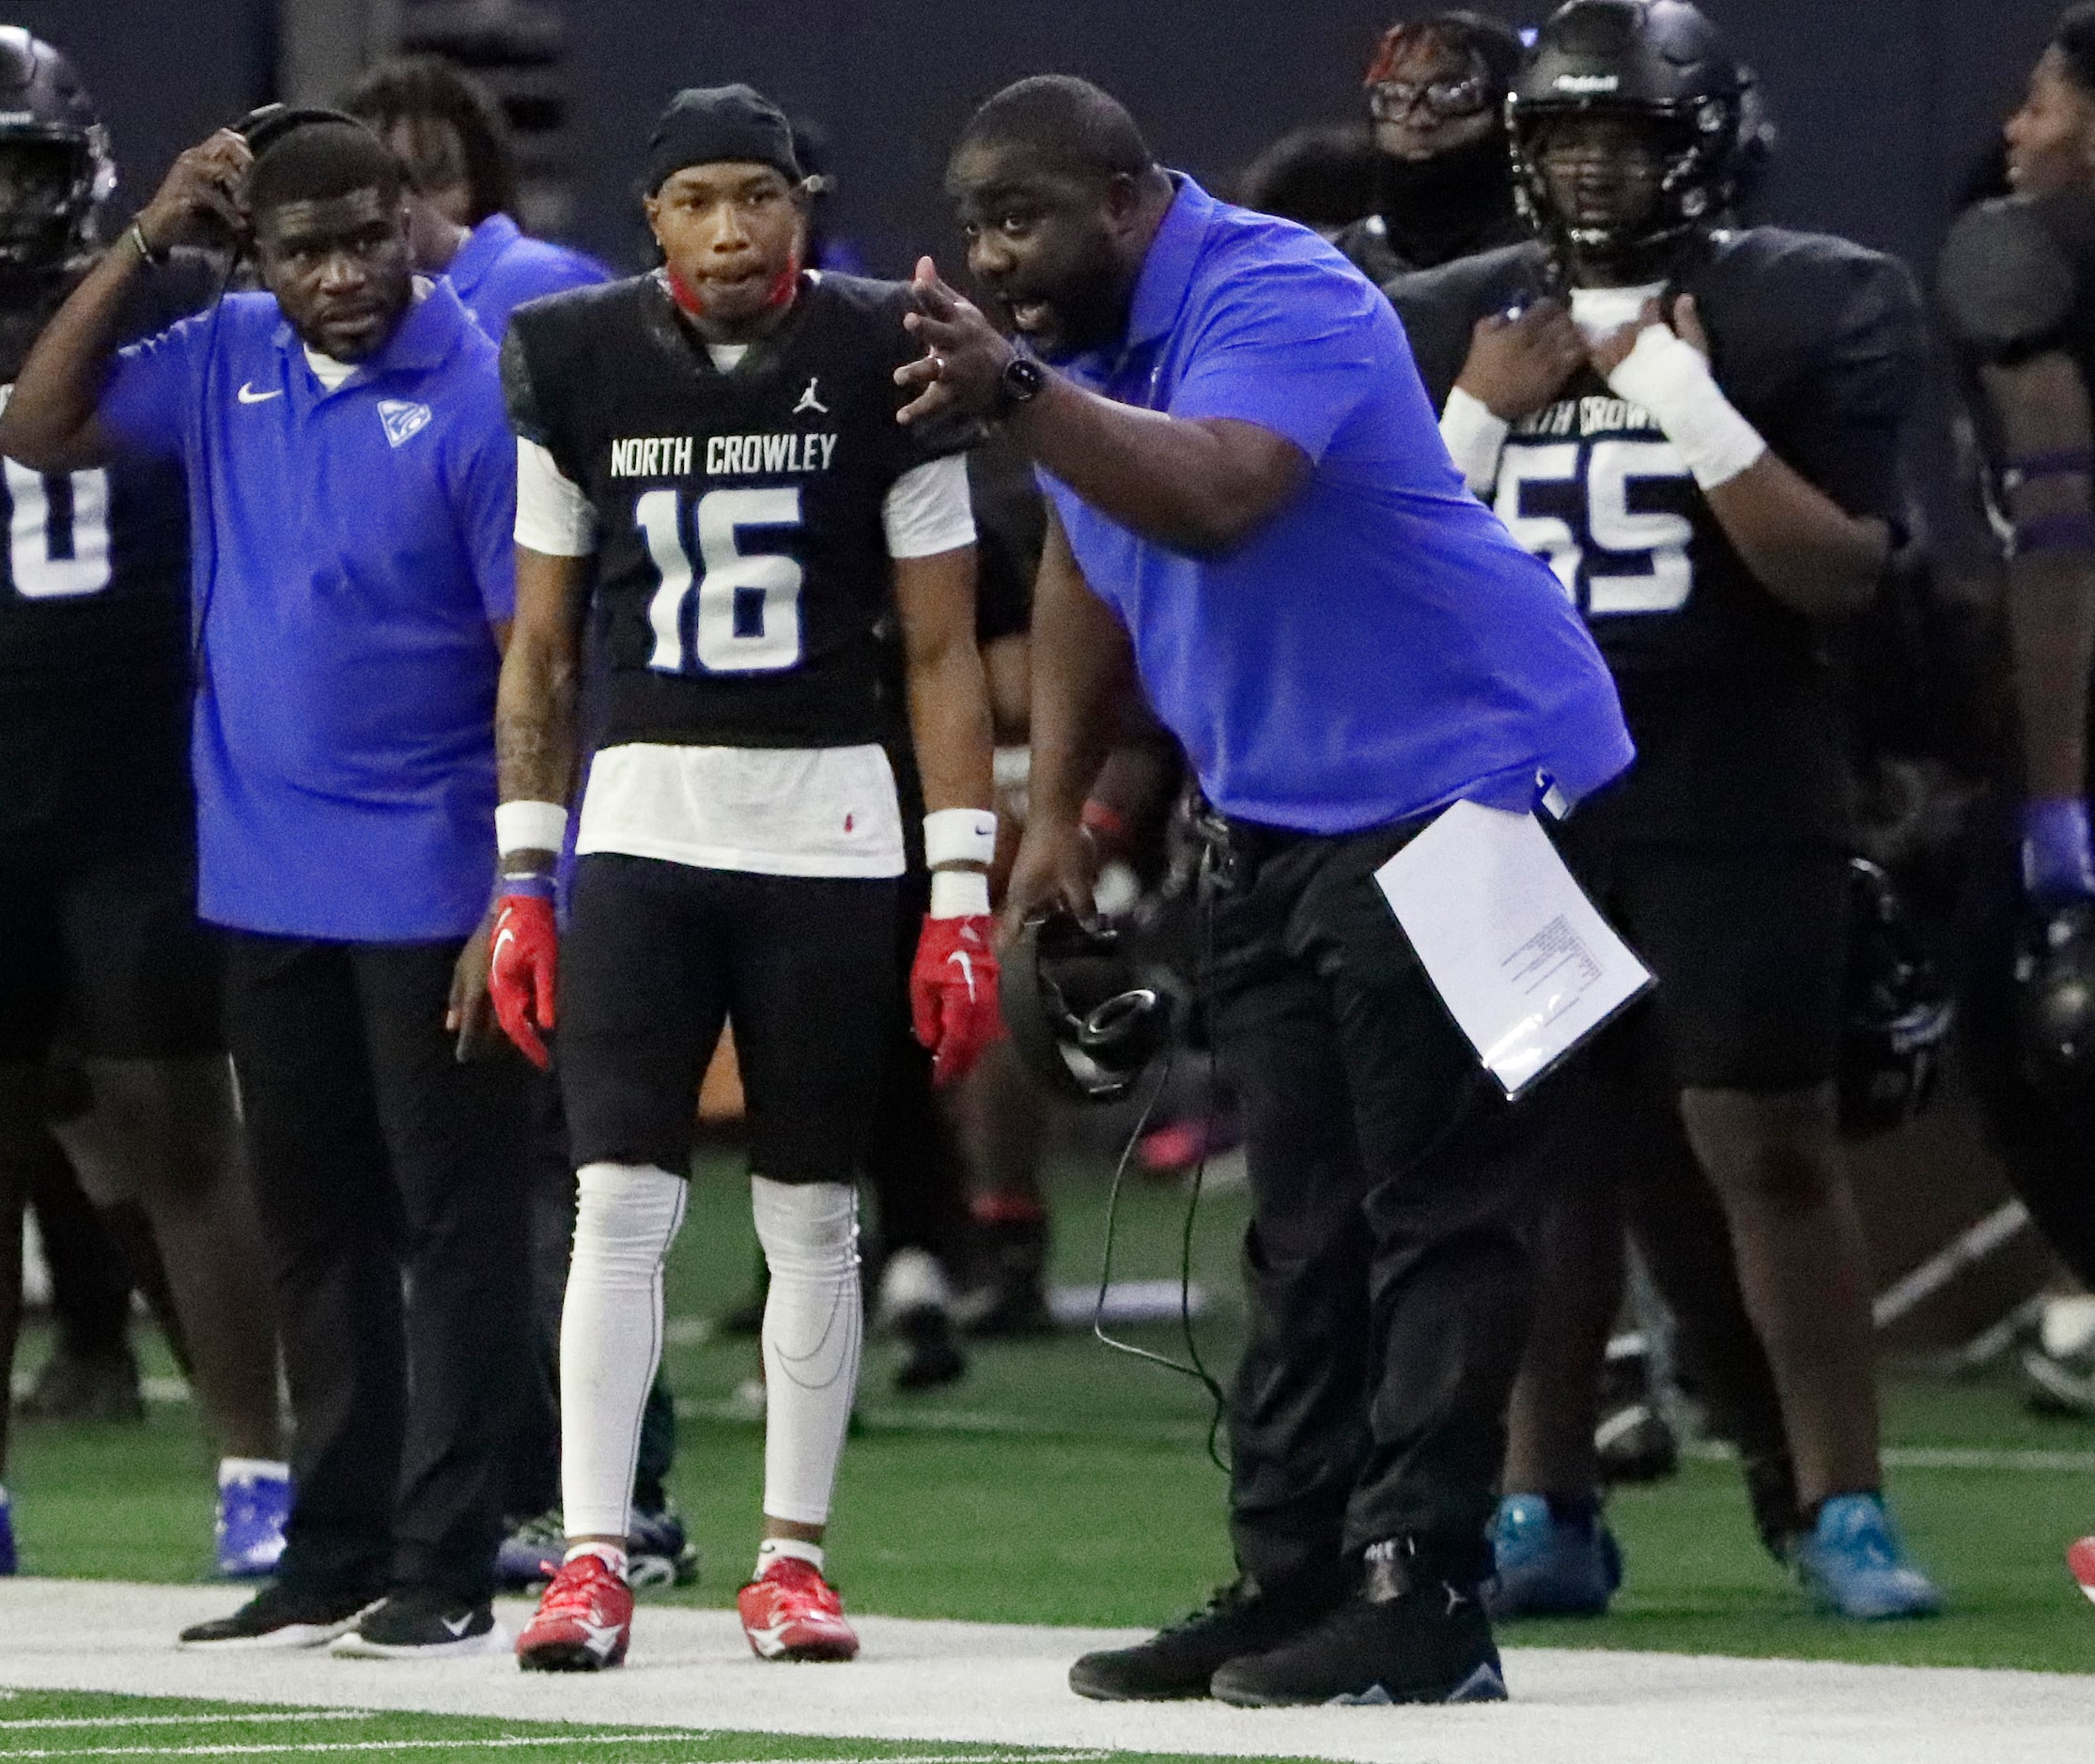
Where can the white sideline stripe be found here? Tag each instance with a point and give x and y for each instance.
(510, 1742)
(24, 1721)
(1986, 1458)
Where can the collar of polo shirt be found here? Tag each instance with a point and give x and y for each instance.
(426, 334)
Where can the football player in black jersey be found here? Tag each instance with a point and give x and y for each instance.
(2018, 287)
(708, 461)
(96, 867)
(1698, 430)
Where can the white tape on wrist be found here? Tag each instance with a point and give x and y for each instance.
(959, 836)
(959, 893)
(530, 827)
(1670, 377)
(1475, 436)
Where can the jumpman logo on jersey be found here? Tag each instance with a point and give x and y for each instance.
(809, 401)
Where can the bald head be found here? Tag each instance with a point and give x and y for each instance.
(1062, 125)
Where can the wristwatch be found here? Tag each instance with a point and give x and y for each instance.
(1020, 382)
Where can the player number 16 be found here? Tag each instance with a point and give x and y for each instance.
(748, 604)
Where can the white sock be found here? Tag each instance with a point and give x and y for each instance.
(609, 1554)
(611, 1337)
(772, 1549)
(813, 1325)
(232, 1470)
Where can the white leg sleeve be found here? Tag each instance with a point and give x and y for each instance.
(813, 1325)
(611, 1336)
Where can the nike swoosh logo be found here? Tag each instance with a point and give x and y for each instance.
(458, 1625)
(249, 395)
(967, 969)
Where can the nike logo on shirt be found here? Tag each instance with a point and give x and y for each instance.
(249, 395)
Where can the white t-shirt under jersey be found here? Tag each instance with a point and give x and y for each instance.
(816, 811)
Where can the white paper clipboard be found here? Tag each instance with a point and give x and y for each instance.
(1524, 962)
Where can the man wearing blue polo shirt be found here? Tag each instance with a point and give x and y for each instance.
(1255, 520)
(351, 494)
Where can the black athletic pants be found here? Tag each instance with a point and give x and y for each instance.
(390, 1179)
(2045, 1138)
(1388, 1255)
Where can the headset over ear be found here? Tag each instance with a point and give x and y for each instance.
(268, 124)
(1080, 1016)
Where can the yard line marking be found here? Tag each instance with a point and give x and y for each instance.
(516, 1741)
(2029, 1462)
(188, 1721)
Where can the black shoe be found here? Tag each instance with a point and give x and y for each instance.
(1009, 1297)
(281, 1617)
(659, 1551)
(422, 1624)
(84, 1387)
(1178, 1661)
(931, 1357)
(1428, 1645)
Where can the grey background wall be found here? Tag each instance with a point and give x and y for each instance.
(1883, 103)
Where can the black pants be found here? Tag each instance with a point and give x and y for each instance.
(1387, 1259)
(2044, 1137)
(390, 1181)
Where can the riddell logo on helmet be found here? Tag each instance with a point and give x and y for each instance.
(1583, 83)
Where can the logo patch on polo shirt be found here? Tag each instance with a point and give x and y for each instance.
(402, 419)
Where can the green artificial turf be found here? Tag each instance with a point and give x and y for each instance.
(1062, 1483)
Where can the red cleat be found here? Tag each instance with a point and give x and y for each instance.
(583, 1622)
(2080, 1558)
(789, 1612)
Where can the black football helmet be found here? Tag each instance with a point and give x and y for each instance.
(54, 165)
(1898, 1014)
(1659, 62)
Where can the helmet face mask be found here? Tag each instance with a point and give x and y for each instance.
(1657, 71)
(58, 171)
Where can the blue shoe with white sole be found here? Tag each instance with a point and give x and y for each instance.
(1548, 1567)
(1853, 1563)
(254, 1507)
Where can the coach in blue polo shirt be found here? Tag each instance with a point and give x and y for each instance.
(1255, 518)
(351, 499)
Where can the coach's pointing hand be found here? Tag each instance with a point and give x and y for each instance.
(962, 367)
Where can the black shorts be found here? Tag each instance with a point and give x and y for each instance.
(1748, 943)
(658, 955)
(97, 872)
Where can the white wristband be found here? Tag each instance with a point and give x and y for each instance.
(530, 827)
(959, 836)
(1475, 436)
(1670, 377)
(959, 894)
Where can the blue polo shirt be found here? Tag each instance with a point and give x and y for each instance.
(352, 550)
(497, 269)
(1380, 647)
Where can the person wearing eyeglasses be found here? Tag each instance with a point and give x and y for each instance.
(1437, 100)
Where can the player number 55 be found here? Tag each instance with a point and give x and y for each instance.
(748, 617)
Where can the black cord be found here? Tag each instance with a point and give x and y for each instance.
(1192, 1366)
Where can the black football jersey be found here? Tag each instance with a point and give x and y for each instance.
(95, 572)
(1819, 344)
(743, 569)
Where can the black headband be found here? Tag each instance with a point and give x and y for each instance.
(707, 125)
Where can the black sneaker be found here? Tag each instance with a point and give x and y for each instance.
(1428, 1645)
(280, 1616)
(422, 1624)
(1179, 1660)
(84, 1387)
(659, 1551)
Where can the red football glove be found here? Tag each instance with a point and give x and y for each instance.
(952, 993)
(521, 961)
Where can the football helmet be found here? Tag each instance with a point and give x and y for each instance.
(1899, 1012)
(2055, 1000)
(1082, 1019)
(1659, 62)
(54, 165)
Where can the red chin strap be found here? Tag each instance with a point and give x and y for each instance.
(780, 293)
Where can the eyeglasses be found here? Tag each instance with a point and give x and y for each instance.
(1394, 101)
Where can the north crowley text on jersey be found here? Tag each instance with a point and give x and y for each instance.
(726, 456)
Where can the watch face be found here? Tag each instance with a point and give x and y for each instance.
(1023, 378)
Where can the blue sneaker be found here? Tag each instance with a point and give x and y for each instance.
(658, 1551)
(1852, 1563)
(530, 1555)
(1547, 1567)
(7, 1533)
(253, 1505)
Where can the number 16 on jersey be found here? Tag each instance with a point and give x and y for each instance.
(741, 614)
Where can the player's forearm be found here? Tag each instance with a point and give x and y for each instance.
(1198, 486)
(49, 423)
(2051, 626)
(535, 735)
(949, 718)
(1801, 546)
